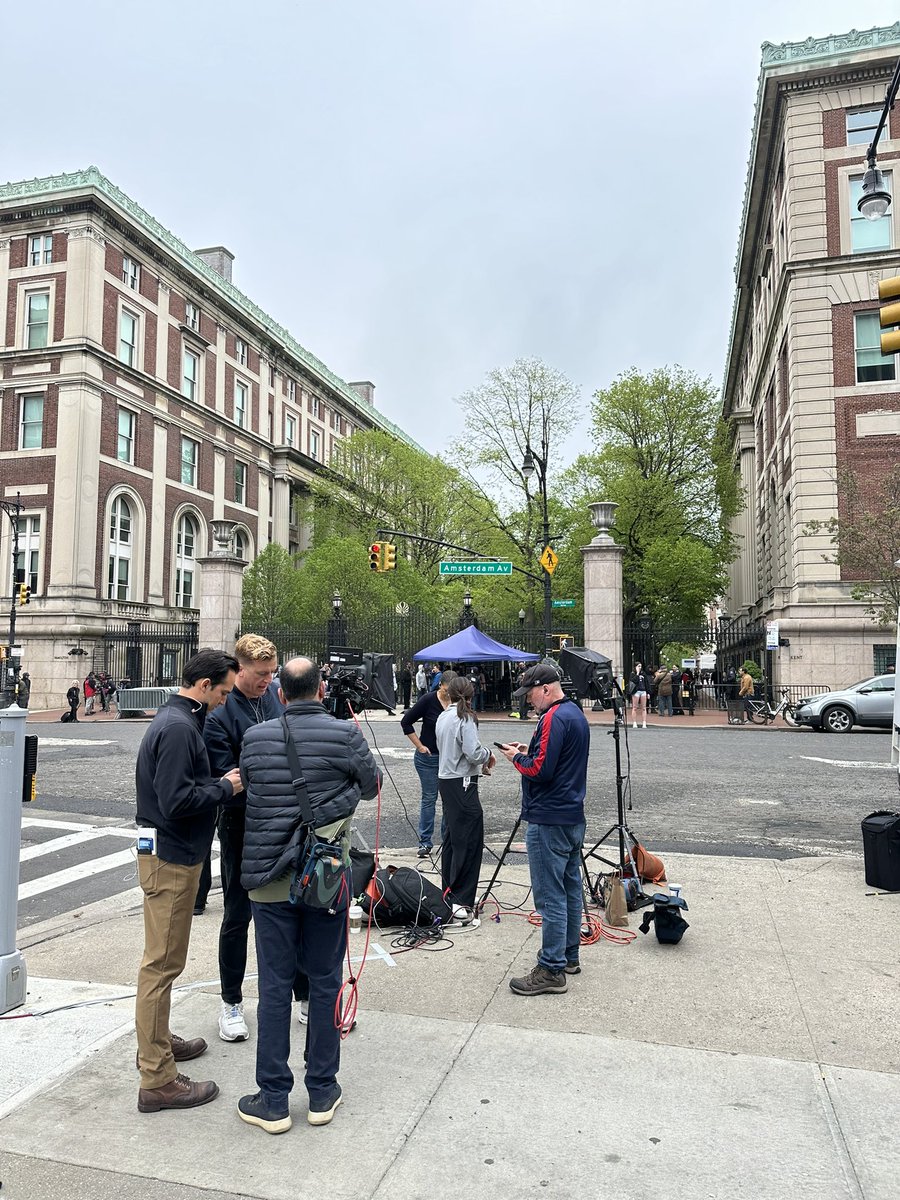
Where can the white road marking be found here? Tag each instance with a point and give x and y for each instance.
(392, 752)
(841, 762)
(49, 883)
(748, 800)
(52, 741)
(79, 827)
(60, 843)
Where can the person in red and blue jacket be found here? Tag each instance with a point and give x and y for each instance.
(554, 782)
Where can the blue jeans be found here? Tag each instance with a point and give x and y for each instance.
(664, 703)
(554, 860)
(288, 935)
(427, 769)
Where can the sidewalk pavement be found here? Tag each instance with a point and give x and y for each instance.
(757, 1058)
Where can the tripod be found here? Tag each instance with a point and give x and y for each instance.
(621, 828)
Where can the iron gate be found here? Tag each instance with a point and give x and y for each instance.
(732, 640)
(148, 653)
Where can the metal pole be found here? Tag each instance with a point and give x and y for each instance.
(12, 765)
(548, 582)
(12, 673)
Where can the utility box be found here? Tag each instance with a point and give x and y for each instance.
(881, 850)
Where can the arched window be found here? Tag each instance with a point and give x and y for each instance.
(185, 563)
(120, 543)
(240, 545)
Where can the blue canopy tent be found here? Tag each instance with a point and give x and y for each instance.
(471, 645)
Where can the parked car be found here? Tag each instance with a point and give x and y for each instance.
(868, 703)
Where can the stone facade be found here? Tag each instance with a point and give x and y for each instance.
(142, 397)
(798, 390)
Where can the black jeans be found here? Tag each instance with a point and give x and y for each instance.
(463, 840)
(205, 883)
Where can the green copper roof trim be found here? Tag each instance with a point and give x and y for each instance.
(829, 47)
(93, 178)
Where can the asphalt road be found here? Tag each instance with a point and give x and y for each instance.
(713, 790)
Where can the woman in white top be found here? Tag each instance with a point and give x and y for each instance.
(461, 758)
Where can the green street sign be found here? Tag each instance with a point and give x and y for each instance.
(563, 603)
(476, 568)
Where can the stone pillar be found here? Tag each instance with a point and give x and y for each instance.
(282, 512)
(603, 630)
(222, 591)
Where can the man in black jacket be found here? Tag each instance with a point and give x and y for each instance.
(249, 703)
(177, 799)
(339, 771)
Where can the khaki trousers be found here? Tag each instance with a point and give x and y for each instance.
(169, 890)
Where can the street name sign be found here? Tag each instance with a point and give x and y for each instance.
(562, 603)
(476, 568)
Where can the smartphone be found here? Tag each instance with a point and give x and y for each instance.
(500, 745)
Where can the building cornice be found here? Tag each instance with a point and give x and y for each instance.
(92, 179)
(830, 46)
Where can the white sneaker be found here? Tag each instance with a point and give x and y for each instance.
(232, 1026)
(464, 916)
(644, 726)
(303, 1015)
(634, 724)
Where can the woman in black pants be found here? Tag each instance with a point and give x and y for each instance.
(461, 758)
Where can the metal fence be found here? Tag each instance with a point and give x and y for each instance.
(148, 653)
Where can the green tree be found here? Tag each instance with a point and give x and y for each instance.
(866, 540)
(663, 453)
(271, 594)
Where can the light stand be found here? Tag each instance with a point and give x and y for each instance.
(9, 693)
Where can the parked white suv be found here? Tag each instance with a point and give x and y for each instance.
(868, 703)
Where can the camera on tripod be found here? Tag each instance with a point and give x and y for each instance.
(590, 673)
(358, 680)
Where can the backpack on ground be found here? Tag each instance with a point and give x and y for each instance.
(666, 916)
(402, 896)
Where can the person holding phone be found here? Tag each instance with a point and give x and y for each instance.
(426, 710)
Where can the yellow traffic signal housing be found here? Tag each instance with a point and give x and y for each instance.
(24, 594)
(889, 289)
(376, 557)
(389, 556)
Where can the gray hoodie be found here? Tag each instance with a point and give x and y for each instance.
(460, 753)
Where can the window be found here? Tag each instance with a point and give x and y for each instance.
(41, 249)
(240, 351)
(861, 126)
(290, 430)
(336, 422)
(868, 235)
(128, 324)
(131, 272)
(189, 451)
(125, 443)
(28, 561)
(271, 425)
(292, 391)
(37, 320)
(240, 545)
(240, 404)
(271, 376)
(32, 422)
(315, 406)
(871, 364)
(314, 444)
(190, 374)
(120, 542)
(240, 483)
(191, 315)
(185, 565)
(885, 658)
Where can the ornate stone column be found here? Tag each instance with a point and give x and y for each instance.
(222, 590)
(603, 588)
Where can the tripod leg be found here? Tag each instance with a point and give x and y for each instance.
(479, 904)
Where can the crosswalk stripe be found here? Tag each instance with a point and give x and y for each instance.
(48, 883)
(80, 827)
(71, 839)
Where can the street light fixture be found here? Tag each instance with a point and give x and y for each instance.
(13, 509)
(522, 616)
(534, 463)
(876, 199)
(336, 602)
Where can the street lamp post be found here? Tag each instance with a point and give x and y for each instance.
(876, 199)
(531, 464)
(466, 617)
(13, 509)
(337, 626)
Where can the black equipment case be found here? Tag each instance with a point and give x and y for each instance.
(881, 850)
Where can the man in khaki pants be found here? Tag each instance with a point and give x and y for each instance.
(177, 802)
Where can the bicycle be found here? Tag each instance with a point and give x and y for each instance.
(761, 712)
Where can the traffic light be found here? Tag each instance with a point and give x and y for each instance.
(889, 289)
(376, 557)
(389, 560)
(24, 594)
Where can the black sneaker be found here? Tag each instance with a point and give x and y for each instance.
(573, 968)
(321, 1111)
(424, 851)
(538, 981)
(256, 1111)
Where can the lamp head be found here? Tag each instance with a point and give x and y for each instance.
(875, 199)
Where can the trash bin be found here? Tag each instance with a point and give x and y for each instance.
(881, 850)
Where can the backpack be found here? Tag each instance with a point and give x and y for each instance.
(666, 916)
(402, 896)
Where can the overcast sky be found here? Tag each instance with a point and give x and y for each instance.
(422, 190)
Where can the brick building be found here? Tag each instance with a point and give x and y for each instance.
(806, 390)
(143, 396)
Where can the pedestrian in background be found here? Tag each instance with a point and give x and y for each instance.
(90, 691)
(637, 691)
(461, 759)
(73, 699)
(406, 679)
(553, 768)
(338, 771)
(745, 692)
(177, 798)
(662, 684)
(426, 710)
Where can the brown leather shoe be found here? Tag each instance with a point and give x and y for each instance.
(182, 1050)
(180, 1093)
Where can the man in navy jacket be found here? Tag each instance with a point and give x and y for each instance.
(554, 781)
(177, 800)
